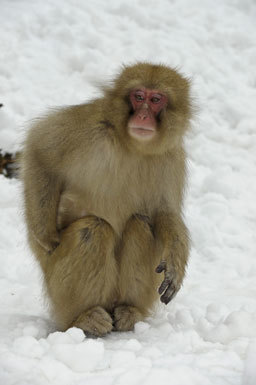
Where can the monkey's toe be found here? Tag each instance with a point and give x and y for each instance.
(125, 317)
(94, 322)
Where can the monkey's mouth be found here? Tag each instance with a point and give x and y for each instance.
(142, 133)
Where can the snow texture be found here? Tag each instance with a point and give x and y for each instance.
(55, 53)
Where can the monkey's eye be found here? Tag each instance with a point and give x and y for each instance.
(139, 97)
(156, 99)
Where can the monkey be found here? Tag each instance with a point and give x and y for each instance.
(103, 194)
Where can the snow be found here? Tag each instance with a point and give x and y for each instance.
(56, 53)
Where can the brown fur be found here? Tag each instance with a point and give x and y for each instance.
(103, 210)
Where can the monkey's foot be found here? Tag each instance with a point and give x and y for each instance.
(125, 317)
(94, 322)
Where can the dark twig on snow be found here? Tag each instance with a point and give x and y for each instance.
(9, 166)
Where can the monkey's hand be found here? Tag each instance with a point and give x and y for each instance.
(172, 246)
(48, 242)
(171, 283)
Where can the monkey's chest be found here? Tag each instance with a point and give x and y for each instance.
(113, 197)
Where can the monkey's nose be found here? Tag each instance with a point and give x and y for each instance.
(143, 115)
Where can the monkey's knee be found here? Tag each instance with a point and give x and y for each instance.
(90, 229)
(139, 223)
(90, 221)
(141, 217)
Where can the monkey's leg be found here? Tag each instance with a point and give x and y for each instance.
(81, 276)
(138, 281)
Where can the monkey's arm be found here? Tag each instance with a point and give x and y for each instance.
(42, 193)
(172, 243)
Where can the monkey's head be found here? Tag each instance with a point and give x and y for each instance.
(150, 107)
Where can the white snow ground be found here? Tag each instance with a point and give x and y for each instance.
(54, 53)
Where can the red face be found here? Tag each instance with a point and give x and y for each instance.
(146, 104)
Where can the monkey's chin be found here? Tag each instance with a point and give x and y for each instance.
(142, 134)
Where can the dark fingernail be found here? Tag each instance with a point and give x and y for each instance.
(164, 300)
(162, 287)
(167, 297)
(159, 269)
(160, 290)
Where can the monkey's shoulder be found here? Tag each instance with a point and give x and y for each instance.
(64, 131)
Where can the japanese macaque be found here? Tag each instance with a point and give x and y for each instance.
(103, 187)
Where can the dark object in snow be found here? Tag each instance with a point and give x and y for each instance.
(9, 164)
(1, 105)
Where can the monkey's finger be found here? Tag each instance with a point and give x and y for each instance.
(164, 285)
(161, 267)
(168, 295)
